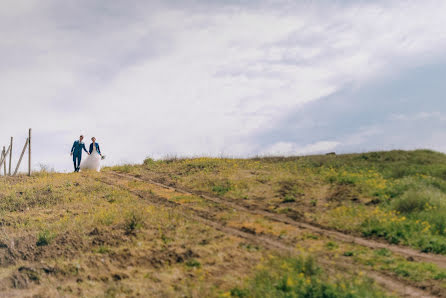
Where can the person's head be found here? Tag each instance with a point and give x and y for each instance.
(81, 138)
(93, 139)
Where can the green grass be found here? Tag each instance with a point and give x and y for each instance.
(384, 259)
(133, 221)
(44, 238)
(408, 187)
(412, 184)
(301, 277)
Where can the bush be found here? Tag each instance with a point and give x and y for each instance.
(149, 162)
(193, 263)
(412, 201)
(44, 238)
(436, 217)
(134, 220)
(289, 199)
(222, 187)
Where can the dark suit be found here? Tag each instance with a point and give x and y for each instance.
(76, 150)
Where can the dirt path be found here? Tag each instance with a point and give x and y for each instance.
(439, 260)
(388, 282)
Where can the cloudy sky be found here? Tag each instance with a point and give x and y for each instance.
(232, 78)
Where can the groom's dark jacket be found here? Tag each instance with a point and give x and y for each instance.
(97, 148)
(77, 148)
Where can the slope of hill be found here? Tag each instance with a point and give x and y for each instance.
(335, 226)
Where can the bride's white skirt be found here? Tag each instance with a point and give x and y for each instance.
(92, 162)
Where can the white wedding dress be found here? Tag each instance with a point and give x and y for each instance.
(92, 162)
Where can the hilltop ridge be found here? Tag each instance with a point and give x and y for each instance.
(368, 224)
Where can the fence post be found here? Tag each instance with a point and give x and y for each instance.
(4, 157)
(21, 156)
(29, 153)
(10, 155)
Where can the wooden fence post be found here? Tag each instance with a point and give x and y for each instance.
(10, 155)
(29, 153)
(21, 156)
(4, 157)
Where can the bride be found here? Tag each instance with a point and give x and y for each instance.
(93, 160)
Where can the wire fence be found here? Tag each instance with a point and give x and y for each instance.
(7, 156)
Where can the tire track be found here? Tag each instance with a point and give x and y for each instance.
(438, 260)
(386, 281)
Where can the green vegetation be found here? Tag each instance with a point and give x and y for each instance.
(386, 260)
(301, 277)
(134, 220)
(90, 234)
(410, 202)
(399, 196)
(44, 238)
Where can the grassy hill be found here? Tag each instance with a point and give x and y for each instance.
(358, 225)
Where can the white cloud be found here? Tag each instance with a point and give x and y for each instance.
(169, 79)
(289, 148)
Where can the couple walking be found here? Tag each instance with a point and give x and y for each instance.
(93, 160)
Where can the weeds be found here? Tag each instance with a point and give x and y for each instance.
(222, 187)
(44, 238)
(301, 277)
(134, 220)
(193, 263)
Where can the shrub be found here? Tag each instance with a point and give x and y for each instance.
(289, 199)
(102, 249)
(436, 217)
(149, 162)
(133, 221)
(348, 253)
(193, 263)
(221, 187)
(412, 201)
(44, 238)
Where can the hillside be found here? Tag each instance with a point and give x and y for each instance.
(358, 225)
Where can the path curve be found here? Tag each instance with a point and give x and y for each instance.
(387, 282)
(438, 260)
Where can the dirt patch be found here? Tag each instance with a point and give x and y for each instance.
(22, 248)
(289, 190)
(25, 248)
(154, 258)
(341, 193)
(107, 237)
(24, 277)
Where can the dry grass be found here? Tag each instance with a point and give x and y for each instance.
(94, 234)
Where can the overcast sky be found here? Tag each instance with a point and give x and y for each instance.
(232, 78)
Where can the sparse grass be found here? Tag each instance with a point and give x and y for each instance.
(100, 239)
(102, 249)
(407, 187)
(193, 263)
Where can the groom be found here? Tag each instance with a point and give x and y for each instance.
(76, 152)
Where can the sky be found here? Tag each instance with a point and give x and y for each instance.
(221, 78)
